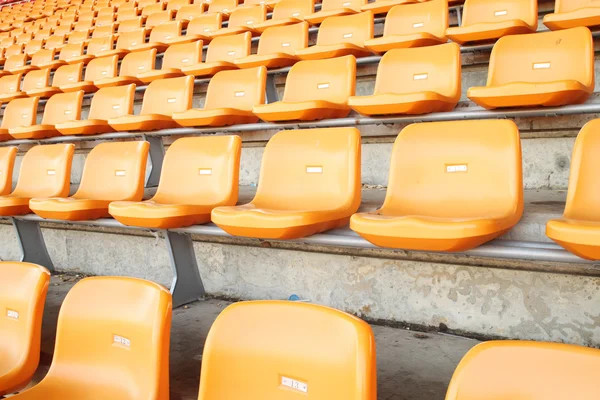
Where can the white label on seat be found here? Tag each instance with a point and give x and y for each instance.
(418, 25)
(185, 60)
(225, 10)
(418, 77)
(500, 13)
(544, 65)
(51, 172)
(347, 35)
(134, 43)
(249, 22)
(24, 115)
(294, 384)
(231, 53)
(322, 85)
(457, 168)
(120, 172)
(71, 78)
(104, 72)
(295, 14)
(123, 341)
(240, 94)
(285, 44)
(12, 314)
(67, 112)
(141, 66)
(206, 29)
(116, 106)
(103, 48)
(11, 88)
(205, 171)
(346, 4)
(171, 100)
(314, 170)
(168, 37)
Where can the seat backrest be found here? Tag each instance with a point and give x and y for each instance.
(564, 6)
(315, 169)
(63, 29)
(54, 41)
(421, 69)
(332, 355)
(79, 36)
(23, 289)
(112, 102)
(167, 96)
(114, 171)
(427, 17)
(104, 20)
(67, 74)
(10, 84)
(33, 46)
(354, 29)
(90, 15)
(583, 193)
(191, 11)
(24, 38)
(544, 57)
(228, 48)
(201, 170)
(36, 79)
(163, 32)
(102, 67)
(45, 169)
(526, 370)
(177, 4)
(182, 55)
(130, 39)
(130, 25)
(71, 51)
(8, 154)
(248, 16)
(14, 50)
(137, 62)
(240, 89)
(222, 6)
(43, 56)
(158, 18)
(103, 31)
(127, 14)
(16, 61)
(204, 24)
(43, 34)
(331, 80)
(83, 25)
(339, 4)
(63, 107)
(152, 9)
(283, 39)
(458, 169)
(100, 44)
(117, 330)
(478, 11)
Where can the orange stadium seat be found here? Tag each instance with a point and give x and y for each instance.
(414, 81)
(46, 59)
(59, 108)
(230, 97)
(488, 20)
(334, 8)
(68, 78)
(109, 102)
(159, 18)
(162, 36)
(526, 370)
(97, 69)
(198, 28)
(10, 88)
(341, 36)
(75, 53)
(99, 45)
(189, 12)
(221, 53)
(23, 289)
(333, 356)
(176, 57)
(127, 42)
(548, 68)
(162, 98)
(384, 6)
(153, 8)
(8, 154)
(105, 20)
(107, 325)
(178, 4)
(287, 12)
(129, 14)
(45, 171)
(130, 25)
(209, 166)
(579, 228)
(467, 191)
(309, 183)
(242, 19)
(120, 166)
(37, 83)
(14, 50)
(413, 25)
(573, 13)
(33, 46)
(55, 42)
(104, 30)
(225, 7)
(77, 37)
(277, 47)
(270, 4)
(314, 89)
(132, 66)
(17, 64)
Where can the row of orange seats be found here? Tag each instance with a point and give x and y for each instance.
(464, 187)
(113, 334)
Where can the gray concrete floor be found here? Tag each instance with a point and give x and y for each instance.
(410, 365)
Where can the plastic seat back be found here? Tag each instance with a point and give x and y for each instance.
(10, 84)
(79, 36)
(8, 154)
(45, 169)
(67, 74)
(128, 14)
(105, 20)
(152, 9)
(543, 57)
(248, 16)
(283, 39)
(178, 4)
(209, 166)
(222, 6)
(526, 370)
(36, 79)
(109, 325)
(311, 169)
(167, 31)
(428, 17)
(20, 112)
(421, 69)
(204, 24)
(182, 55)
(166, 96)
(112, 102)
(120, 167)
(293, 9)
(43, 34)
(472, 168)
(239, 89)
(83, 25)
(14, 50)
(158, 18)
(24, 38)
(130, 25)
(332, 80)
(43, 56)
(332, 356)
(71, 51)
(354, 29)
(130, 39)
(16, 61)
(328, 5)
(102, 67)
(483, 11)
(33, 46)
(100, 44)
(137, 62)
(228, 48)
(55, 41)
(103, 31)
(23, 289)
(565, 6)
(63, 107)
(190, 12)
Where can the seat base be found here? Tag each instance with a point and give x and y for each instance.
(5, 98)
(149, 122)
(69, 208)
(155, 74)
(214, 117)
(14, 205)
(487, 31)
(319, 16)
(34, 132)
(270, 23)
(274, 60)
(86, 86)
(84, 127)
(149, 214)
(117, 81)
(119, 52)
(581, 238)
(207, 69)
(44, 92)
(587, 16)
(332, 51)
(283, 233)
(52, 64)
(85, 58)
(409, 103)
(383, 6)
(386, 43)
(188, 39)
(160, 47)
(300, 111)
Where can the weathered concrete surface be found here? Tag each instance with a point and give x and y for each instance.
(410, 365)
